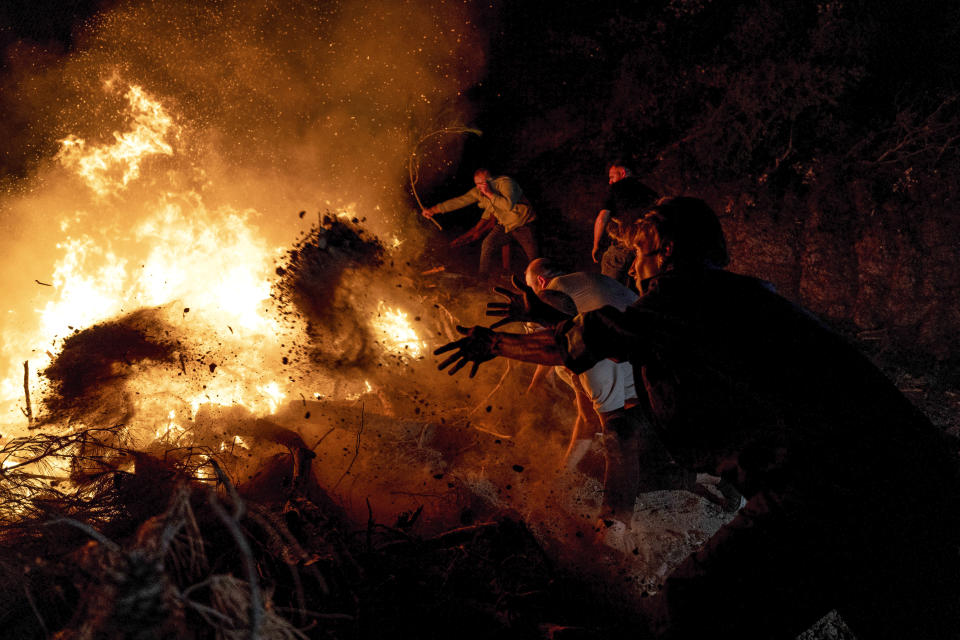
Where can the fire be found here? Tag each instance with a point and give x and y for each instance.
(272, 395)
(396, 334)
(236, 442)
(171, 430)
(208, 270)
(109, 168)
(204, 272)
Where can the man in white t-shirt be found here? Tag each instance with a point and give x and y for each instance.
(636, 460)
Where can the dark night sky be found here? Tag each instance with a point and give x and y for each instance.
(43, 21)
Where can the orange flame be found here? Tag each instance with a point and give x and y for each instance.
(109, 168)
(396, 334)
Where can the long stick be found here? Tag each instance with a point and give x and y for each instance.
(356, 451)
(26, 389)
(414, 167)
(413, 187)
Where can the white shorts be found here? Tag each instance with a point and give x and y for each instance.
(609, 384)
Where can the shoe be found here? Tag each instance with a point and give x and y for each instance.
(733, 500)
(615, 534)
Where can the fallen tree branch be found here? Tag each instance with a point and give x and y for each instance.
(26, 390)
(356, 451)
(36, 612)
(256, 611)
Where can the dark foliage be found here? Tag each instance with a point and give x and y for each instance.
(195, 559)
(825, 134)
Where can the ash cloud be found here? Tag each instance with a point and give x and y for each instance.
(289, 104)
(94, 364)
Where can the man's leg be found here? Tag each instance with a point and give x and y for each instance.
(527, 239)
(637, 461)
(621, 473)
(769, 573)
(490, 250)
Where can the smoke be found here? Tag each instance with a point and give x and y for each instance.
(289, 104)
(275, 107)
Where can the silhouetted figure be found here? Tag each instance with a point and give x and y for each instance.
(627, 199)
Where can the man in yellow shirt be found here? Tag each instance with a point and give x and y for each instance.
(507, 216)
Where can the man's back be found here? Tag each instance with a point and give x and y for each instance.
(609, 384)
(591, 291)
(853, 497)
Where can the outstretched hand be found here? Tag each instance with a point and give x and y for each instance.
(522, 305)
(476, 347)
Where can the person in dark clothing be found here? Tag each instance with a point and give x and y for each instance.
(626, 201)
(853, 500)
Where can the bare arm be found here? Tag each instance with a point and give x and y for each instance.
(599, 227)
(476, 232)
(480, 344)
(539, 348)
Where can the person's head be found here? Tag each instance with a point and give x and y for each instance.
(540, 272)
(618, 170)
(678, 232)
(481, 176)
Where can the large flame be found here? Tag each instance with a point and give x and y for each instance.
(207, 270)
(109, 168)
(210, 270)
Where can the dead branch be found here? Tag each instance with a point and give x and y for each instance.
(204, 610)
(256, 609)
(460, 535)
(232, 523)
(356, 452)
(87, 529)
(370, 525)
(318, 615)
(290, 550)
(36, 612)
(26, 390)
(413, 164)
(496, 388)
(915, 137)
(322, 438)
(45, 445)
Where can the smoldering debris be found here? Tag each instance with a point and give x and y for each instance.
(198, 560)
(97, 360)
(311, 283)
